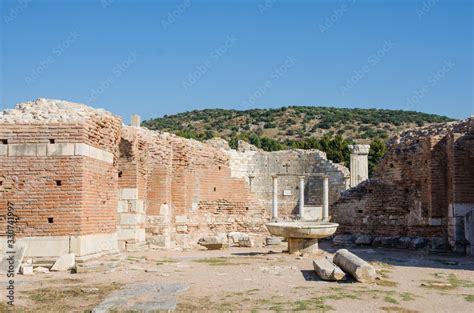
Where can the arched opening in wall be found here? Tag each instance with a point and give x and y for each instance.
(441, 188)
(127, 169)
(463, 193)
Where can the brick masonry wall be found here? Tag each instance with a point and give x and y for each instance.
(256, 167)
(61, 193)
(422, 175)
(183, 182)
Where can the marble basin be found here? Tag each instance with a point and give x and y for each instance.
(310, 230)
(302, 236)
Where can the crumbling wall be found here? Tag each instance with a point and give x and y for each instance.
(57, 171)
(186, 187)
(256, 167)
(417, 189)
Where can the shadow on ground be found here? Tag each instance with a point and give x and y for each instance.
(405, 257)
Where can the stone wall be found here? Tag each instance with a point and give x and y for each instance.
(186, 188)
(57, 171)
(423, 187)
(256, 167)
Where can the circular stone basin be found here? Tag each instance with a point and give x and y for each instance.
(302, 230)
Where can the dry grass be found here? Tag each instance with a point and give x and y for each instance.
(397, 309)
(59, 299)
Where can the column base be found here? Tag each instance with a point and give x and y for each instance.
(298, 245)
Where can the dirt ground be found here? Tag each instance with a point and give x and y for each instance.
(263, 280)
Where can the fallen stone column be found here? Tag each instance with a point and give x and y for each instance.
(352, 264)
(327, 270)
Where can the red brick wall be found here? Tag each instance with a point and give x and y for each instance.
(397, 202)
(416, 183)
(464, 169)
(85, 201)
(99, 197)
(30, 184)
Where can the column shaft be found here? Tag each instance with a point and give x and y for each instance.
(325, 199)
(275, 197)
(301, 206)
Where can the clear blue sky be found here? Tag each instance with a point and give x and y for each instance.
(165, 57)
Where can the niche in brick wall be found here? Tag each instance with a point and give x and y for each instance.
(59, 182)
(50, 220)
(52, 141)
(4, 141)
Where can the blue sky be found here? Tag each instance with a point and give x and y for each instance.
(165, 57)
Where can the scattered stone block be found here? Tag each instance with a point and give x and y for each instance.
(240, 239)
(438, 243)
(363, 240)
(41, 269)
(234, 236)
(26, 269)
(272, 241)
(327, 270)
(64, 263)
(404, 242)
(390, 242)
(343, 240)
(245, 242)
(355, 266)
(212, 243)
(12, 261)
(418, 243)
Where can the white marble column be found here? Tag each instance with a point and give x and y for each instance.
(325, 198)
(301, 206)
(135, 120)
(359, 163)
(275, 197)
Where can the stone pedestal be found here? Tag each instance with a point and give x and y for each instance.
(359, 163)
(297, 245)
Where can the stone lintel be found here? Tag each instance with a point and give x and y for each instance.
(56, 149)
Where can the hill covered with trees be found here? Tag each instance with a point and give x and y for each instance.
(303, 127)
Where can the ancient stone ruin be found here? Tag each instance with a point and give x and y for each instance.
(422, 193)
(77, 180)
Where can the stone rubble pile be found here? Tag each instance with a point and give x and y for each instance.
(50, 110)
(441, 129)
